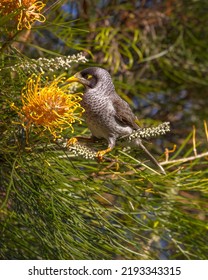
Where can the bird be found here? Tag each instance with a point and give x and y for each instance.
(107, 115)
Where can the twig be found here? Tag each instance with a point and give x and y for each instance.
(181, 160)
(194, 140)
(167, 152)
(8, 42)
(206, 129)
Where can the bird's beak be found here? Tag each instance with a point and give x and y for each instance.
(73, 79)
(79, 79)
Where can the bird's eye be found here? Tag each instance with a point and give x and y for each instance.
(87, 76)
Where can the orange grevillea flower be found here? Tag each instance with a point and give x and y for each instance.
(50, 106)
(27, 11)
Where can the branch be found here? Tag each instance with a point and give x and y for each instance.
(182, 160)
(142, 133)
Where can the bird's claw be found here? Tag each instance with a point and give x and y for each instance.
(71, 141)
(100, 154)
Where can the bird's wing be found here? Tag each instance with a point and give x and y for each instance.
(124, 114)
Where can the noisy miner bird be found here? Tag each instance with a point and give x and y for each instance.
(107, 115)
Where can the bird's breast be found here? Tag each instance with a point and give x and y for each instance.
(98, 114)
(97, 107)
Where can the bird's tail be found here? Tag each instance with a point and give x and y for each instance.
(152, 158)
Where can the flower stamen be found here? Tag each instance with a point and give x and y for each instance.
(27, 11)
(50, 106)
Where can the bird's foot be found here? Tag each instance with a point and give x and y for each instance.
(100, 154)
(71, 141)
(74, 140)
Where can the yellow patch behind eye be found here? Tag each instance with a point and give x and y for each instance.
(89, 76)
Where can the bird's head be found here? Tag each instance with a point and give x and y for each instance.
(92, 77)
